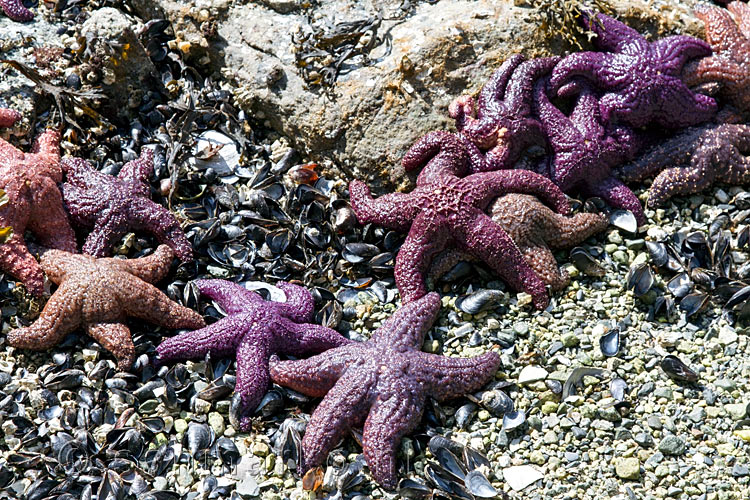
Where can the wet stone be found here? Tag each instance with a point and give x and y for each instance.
(646, 389)
(672, 445)
(739, 470)
(654, 421)
(644, 439)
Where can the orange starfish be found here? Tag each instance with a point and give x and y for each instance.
(34, 203)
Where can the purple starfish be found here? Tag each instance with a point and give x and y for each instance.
(504, 124)
(115, 205)
(641, 81)
(693, 160)
(253, 330)
(15, 10)
(382, 383)
(446, 210)
(585, 151)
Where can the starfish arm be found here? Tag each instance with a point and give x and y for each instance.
(60, 316)
(116, 338)
(477, 161)
(9, 117)
(144, 301)
(394, 210)
(674, 152)
(15, 10)
(8, 153)
(138, 170)
(438, 154)
(220, 339)
(721, 30)
(83, 206)
(345, 406)
(494, 89)
(449, 378)
(48, 220)
(556, 125)
(543, 263)
(675, 51)
(414, 258)
(712, 69)
(82, 174)
(585, 114)
(741, 12)
(566, 232)
(111, 226)
(149, 216)
(48, 143)
(253, 379)
(675, 181)
(521, 87)
(461, 109)
(151, 268)
(16, 260)
(233, 298)
(736, 168)
(490, 185)
(617, 195)
(615, 36)
(390, 419)
(511, 146)
(487, 241)
(303, 339)
(409, 324)
(299, 305)
(588, 65)
(316, 375)
(686, 108)
(56, 263)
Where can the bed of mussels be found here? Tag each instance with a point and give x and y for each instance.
(632, 385)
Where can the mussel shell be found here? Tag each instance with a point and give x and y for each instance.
(640, 279)
(625, 220)
(481, 300)
(693, 303)
(478, 485)
(409, 488)
(585, 263)
(497, 402)
(677, 370)
(658, 253)
(465, 413)
(680, 285)
(618, 388)
(513, 420)
(610, 342)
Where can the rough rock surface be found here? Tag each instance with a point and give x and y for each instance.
(372, 114)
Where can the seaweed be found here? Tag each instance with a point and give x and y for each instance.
(561, 18)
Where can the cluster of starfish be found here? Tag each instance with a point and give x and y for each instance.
(97, 293)
(471, 201)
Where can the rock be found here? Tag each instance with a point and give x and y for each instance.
(736, 410)
(570, 339)
(727, 335)
(628, 468)
(520, 477)
(126, 64)
(532, 373)
(644, 439)
(739, 470)
(372, 113)
(216, 421)
(672, 445)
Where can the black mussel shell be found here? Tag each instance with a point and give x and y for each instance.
(677, 370)
(481, 300)
(693, 303)
(618, 388)
(585, 263)
(610, 342)
(640, 279)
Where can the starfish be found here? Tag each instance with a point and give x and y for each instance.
(34, 204)
(585, 150)
(9, 117)
(535, 229)
(382, 383)
(693, 161)
(15, 10)
(504, 124)
(641, 81)
(253, 330)
(115, 205)
(730, 63)
(446, 210)
(99, 294)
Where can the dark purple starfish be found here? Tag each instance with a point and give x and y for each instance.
(253, 330)
(504, 125)
(448, 210)
(382, 383)
(115, 205)
(641, 81)
(586, 151)
(691, 161)
(15, 10)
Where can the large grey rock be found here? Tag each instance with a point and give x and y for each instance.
(373, 113)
